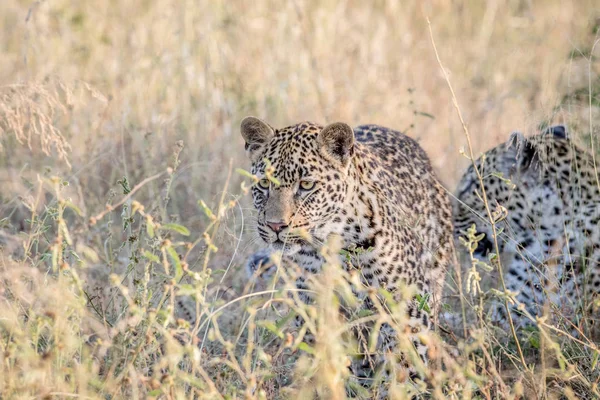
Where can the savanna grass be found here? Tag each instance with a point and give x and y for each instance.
(124, 223)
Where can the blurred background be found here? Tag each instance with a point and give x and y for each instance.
(105, 94)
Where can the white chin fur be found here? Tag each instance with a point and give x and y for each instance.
(286, 248)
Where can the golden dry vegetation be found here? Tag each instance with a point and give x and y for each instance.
(120, 202)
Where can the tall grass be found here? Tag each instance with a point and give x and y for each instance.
(124, 225)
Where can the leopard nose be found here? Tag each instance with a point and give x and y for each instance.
(277, 226)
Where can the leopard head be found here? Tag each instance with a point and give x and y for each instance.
(302, 183)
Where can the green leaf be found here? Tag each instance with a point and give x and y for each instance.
(305, 347)
(176, 261)
(423, 300)
(364, 313)
(125, 185)
(176, 228)
(151, 256)
(271, 327)
(73, 207)
(275, 181)
(595, 360)
(186, 290)
(425, 114)
(219, 271)
(245, 173)
(500, 176)
(150, 228)
(387, 296)
(88, 252)
(206, 210)
(283, 321)
(534, 341)
(62, 226)
(484, 266)
(373, 338)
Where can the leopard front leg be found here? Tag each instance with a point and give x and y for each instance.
(305, 297)
(400, 353)
(534, 278)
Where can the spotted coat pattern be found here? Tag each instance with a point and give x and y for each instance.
(374, 187)
(550, 236)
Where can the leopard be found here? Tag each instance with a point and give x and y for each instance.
(542, 193)
(374, 190)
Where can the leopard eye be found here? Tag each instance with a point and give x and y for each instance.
(307, 185)
(264, 183)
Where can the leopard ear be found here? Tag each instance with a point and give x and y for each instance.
(521, 152)
(337, 142)
(256, 133)
(558, 131)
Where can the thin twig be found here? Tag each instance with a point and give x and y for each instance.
(483, 192)
(112, 207)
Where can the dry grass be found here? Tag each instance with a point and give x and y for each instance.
(118, 118)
